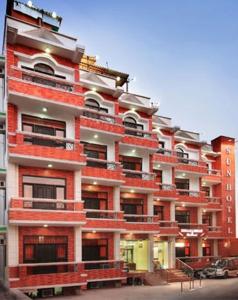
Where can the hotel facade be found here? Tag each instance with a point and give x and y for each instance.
(95, 183)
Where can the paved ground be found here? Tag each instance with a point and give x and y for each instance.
(217, 289)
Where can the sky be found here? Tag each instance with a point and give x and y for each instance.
(183, 53)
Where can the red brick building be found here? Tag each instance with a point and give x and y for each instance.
(97, 181)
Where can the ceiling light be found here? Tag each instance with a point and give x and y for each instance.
(204, 210)
(133, 150)
(95, 182)
(183, 205)
(132, 191)
(45, 225)
(183, 141)
(44, 109)
(118, 78)
(94, 231)
(158, 166)
(54, 15)
(29, 3)
(133, 109)
(50, 165)
(47, 50)
(95, 136)
(184, 174)
(94, 89)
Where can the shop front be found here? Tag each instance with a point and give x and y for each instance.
(161, 255)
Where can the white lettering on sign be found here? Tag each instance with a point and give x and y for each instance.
(228, 173)
(192, 232)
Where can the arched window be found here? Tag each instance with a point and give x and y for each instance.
(43, 68)
(130, 122)
(93, 104)
(183, 156)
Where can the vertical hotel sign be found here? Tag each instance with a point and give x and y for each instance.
(229, 188)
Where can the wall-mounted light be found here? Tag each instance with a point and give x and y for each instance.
(95, 136)
(118, 78)
(132, 191)
(44, 109)
(45, 225)
(95, 182)
(50, 165)
(47, 50)
(94, 89)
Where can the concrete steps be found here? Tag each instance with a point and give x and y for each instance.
(155, 278)
(176, 275)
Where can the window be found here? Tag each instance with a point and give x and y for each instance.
(161, 147)
(95, 200)
(183, 157)
(159, 175)
(132, 207)
(93, 104)
(43, 68)
(94, 249)
(95, 151)
(182, 183)
(207, 190)
(159, 211)
(182, 216)
(207, 219)
(130, 122)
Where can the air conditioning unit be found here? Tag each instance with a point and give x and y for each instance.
(44, 293)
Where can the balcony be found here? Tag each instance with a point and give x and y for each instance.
(104, 219)
(192, 230)
(191, 166)
(140, 138)
(42, 275)
(165, 156)
(28, 211)
(32, 149)
(33, 88)
(166, 191)
(142, 223)
(168, 228)
(214, 203)
(104, 270)
(103, 171)
(215, 232)
(141, 181)
(94, 120)
(213, 176)
(189, 196)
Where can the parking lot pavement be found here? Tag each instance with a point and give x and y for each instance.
(213, 289)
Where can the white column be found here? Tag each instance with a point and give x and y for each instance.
(200, 247)
(12, 245)
(215, 247)
(150, 205)
(12, 182)
(214, 219)
(150, 252)
(171, 250)
(199, 215)
(116, 198)
(117, 245)
(172, 211)
(78, 244)
(77, 185)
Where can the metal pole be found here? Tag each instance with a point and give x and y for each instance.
(181, 286)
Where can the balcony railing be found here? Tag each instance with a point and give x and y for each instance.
(46, 204)
(102, 264)
(103, 214)
(138, 174)
(101, 163)
(191, 162)
(168, 224)
(140, 218)
(214, 172)
(32, 138)
(167, 187)
(189, 193)
(214, 200)
(105, 117)
(214, 228)
(139, 132)
(166, 152)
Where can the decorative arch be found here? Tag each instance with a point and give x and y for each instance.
(44, 68)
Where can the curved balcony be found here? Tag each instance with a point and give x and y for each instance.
(214, 203)
(165, 157)
(142, 223)
(107, 220)
(140, 138)
(166, 191)
(28, 211)
(139, 180)
(33, 149)
(42, 275)
(92, 120)
(213, 176)
(102, 172)
(33, 88)
(189, 196)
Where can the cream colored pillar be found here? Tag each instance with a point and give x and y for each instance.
(171, 254)
(215, 248)
(150, 205)
(172, 211)
(117, 245)
(214, 219)
(12, 182)
(116, 198)
(12, 246)
(200, 247)
(199, 215)
(77, 186)
(150, 252)
(78, 244)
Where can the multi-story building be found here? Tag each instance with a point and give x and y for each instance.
(97, 182)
